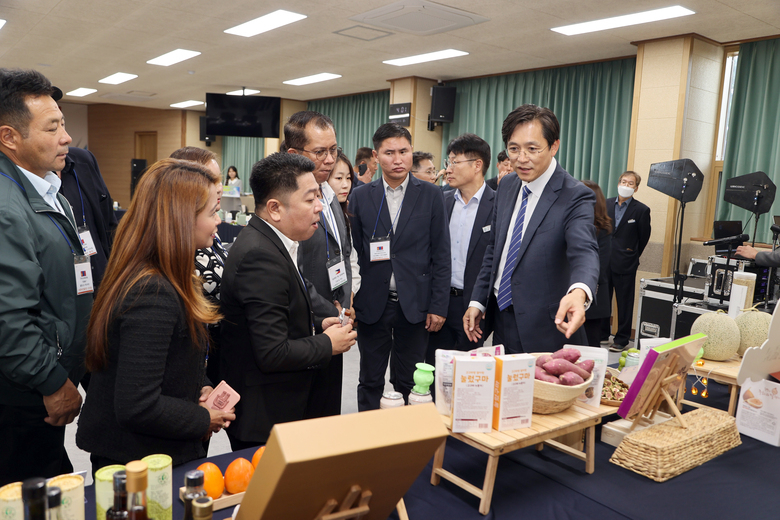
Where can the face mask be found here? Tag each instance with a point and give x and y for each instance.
(625, 191)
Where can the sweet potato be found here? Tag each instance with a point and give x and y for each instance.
(542, 375)
(571, 379)
(541, 360)
(569, 354)
(586, 364)
(558, 367)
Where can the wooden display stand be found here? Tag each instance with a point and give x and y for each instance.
(350, 510)
(660, 394)
(724, 372)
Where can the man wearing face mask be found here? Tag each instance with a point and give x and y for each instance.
(631, 233)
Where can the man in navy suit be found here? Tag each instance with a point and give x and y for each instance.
(631, 233)
(399, 230)
(542, 264)
(469, 209)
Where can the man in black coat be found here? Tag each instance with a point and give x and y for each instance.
(630, 235)
(272, 343)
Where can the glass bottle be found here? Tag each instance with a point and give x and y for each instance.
(193, 488)
(54, 499)
(119, 510)
(202, 508)
(136, 484)
(34, 498)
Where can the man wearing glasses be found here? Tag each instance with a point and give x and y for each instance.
(541, 267)
(630, 235)
(423, 168)
(469, 207)
(324, 258)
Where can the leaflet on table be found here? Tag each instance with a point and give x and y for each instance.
(758, 411)
(472, 394)
(513, 396)
(646, 344)
(231, 191)
(592, 394)
(444, 366)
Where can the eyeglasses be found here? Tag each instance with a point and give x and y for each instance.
(429, 171)
(531, 151)
(320, 155)
(630, 184)
(453, 162)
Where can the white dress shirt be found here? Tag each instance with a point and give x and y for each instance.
(47, 187)
(330, 219)
(290, 245)
(461, 224)
(394, 198)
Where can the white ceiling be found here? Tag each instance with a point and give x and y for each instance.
(77, 42)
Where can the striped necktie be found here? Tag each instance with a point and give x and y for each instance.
(505, 288)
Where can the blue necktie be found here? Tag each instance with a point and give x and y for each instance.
(505, 288)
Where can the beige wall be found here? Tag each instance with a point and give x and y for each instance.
(192, 137)
(417, 91)
(76, 123)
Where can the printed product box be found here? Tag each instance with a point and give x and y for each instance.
(513, 395)
(472, 394)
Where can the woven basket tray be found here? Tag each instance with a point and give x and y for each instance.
(666, 450)
(551, 398)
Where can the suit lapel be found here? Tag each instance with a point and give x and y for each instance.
(503, 230)
(407, 206)
(481, 220)
(449, 203)
(384, 225)
(269, 233)
(548, 198)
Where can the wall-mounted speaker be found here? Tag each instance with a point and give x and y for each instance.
(442, 104)
(203, 135)
(137, 170)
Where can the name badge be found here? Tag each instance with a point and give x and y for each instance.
(337, 272)
(87, 244)
(380, 249)
(83, 274)
(486, 229)
(631, 221)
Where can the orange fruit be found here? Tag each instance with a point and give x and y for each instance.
(213, 482)
(238, 475)
(257, 455)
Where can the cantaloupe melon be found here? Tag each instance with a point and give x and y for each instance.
(753, 328)
(722, 335)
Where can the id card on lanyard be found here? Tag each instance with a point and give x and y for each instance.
(87, 244)
(336, 267)
(379, 247)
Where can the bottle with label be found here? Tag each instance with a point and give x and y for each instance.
(119, 510)
(34, 498)
(202, 508)
(391, 400)
(193, 488)
(54, 499)
(136, 472)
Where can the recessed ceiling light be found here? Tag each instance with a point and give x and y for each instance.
(2, 23)
(116, 79)
(185, 104)
(422, 58)
(173, 57)
(325, 76)
(265, 23)
(623, 21)
(244, 92)
(81, 92)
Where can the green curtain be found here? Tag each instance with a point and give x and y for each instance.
(243, 153)
(356, 118)
(592, 102)
(753, 139)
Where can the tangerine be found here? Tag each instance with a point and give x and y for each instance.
(238, 475)
(257, 455)
(213, 482)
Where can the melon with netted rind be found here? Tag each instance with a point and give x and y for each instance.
(722, 335)
(753, 329)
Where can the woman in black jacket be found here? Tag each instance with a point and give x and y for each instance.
(600, 309)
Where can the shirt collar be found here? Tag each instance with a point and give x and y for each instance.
(625, 204)
(477, 195)
(537, 185)
(290, 245)
(403, 185)
(327, 192)
(49, 183)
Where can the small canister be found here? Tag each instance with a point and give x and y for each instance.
(159, 492)
(391, 400)
(632, 359)
(415, 398)
(104, 489)
(11, 505)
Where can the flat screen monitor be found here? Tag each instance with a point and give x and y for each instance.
(723, 229)
(242, 116)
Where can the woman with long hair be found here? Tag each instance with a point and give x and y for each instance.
(341, 180)
(147, 336)
(232, 178)
(601, 307)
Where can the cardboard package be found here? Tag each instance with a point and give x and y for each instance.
(443, 375)
(472, 394)
(592, 394)
(513, 395)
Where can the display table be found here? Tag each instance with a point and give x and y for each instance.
(724, 372)
(544, 428)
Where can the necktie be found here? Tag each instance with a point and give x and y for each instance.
(505, 288)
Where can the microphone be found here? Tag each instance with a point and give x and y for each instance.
(775, 229)
(727, 240)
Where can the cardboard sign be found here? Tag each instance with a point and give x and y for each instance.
(758, 412)
(759, 362)
(592, 394)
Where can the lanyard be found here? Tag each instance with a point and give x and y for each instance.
(332, 220)
(217, 251)
(47, 214)
(78, 186)
(380, 212)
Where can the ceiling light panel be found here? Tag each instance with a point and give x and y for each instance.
(81, 92)
(422, 58)
(265, 23)
(119, 77)
(2, 23)
(187, 104)
(623, 21)
(316, 78)
(244, 92)
(172, 57)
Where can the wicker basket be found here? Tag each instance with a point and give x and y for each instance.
(666, 450)
(551, 398)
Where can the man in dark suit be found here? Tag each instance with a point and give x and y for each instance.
(399, 229)
(469, 209)
(272, 343)
(504, 166)
(365, 156)
(631, 233)
(324, 258)
(542, 265)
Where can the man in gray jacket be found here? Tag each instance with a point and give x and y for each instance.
(45, 283)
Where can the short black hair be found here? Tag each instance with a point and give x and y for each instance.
(388, 131)
(277, 175)
(295, 128)
(473, 147)
(502, 156)
(16, 85)
(363, 154)
(418, 157)
(551, 129)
